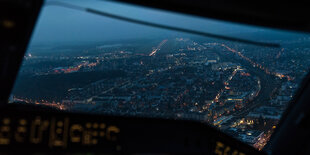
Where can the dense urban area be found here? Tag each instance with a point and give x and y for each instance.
(240, 89)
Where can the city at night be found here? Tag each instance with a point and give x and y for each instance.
(240, 89)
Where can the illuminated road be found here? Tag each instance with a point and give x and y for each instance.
(266, 70)
(110, 89)
(218, 96)
(158, 47)
(42, 102)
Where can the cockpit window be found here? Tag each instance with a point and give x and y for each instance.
(83, 62)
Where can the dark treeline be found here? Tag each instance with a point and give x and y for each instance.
(54, 87)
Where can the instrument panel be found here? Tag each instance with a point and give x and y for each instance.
(44, 130)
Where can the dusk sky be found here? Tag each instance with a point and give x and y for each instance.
(59, 24)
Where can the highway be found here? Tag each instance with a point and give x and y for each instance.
(158, 47)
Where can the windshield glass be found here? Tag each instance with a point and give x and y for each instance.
(83, 62)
